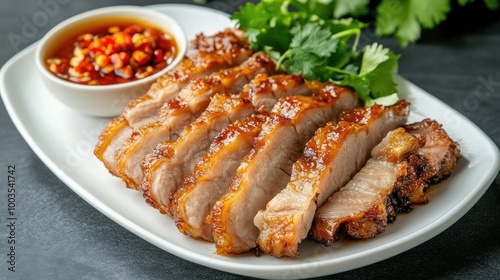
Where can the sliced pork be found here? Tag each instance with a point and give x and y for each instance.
(440, 150)
(434, 161)
(335, 153)
(181, 111)
(263, 91)
(212, 175)
(266, 170)
(205, 55)
(383, 188)
(166, 166)
(111, 140)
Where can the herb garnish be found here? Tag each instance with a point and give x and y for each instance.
(304, 38)
(319, 38)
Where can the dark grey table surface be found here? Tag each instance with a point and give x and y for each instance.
(60, 236)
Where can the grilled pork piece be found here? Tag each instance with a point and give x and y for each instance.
(361, 206)
(383, 188)
(335, 153)
(111, 139)
(266, 170)
(205, 55)
(264, 91)
(183, 110)
(165, 168)
(434, 162)
(440, 150)
(212, 175)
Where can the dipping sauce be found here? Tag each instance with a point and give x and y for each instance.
(112, 52)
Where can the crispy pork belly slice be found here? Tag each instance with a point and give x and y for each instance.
(360, 207)
(393, 180)
(335, 153)
(165, 168)
(159, 190)
(212, 175)
(144, 141)
(266, 170)
(110, 141)
(440, 151)
(182, 110)
(264, 91)
(205, 55)
(433, 163)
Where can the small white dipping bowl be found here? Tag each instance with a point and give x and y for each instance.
(104, 100)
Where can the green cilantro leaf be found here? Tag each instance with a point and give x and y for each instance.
(373, 55)
(403, 18)
(313, 39)
(387, 10)
(341, 57)
(252, 34)
(408, 31)
(305, 63)
(309, 50)
(360, 85)
(278, 37)
(375, 78)
(315, 9)
(257, 16)
(381, 78)
(431, 13)
(350, 7)
(273, 54)
(352, 68)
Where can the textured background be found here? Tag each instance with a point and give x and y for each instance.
(60, 236)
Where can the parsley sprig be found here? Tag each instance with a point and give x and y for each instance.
(404, 19)
(303, 37)
(319, 38)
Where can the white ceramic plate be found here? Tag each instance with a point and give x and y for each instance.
(64, 140)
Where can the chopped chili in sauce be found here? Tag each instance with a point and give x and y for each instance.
(122, 52)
